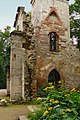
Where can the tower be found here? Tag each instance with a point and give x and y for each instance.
(46, 9)
(50, 19)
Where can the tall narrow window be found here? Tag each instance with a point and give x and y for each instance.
(53, 41)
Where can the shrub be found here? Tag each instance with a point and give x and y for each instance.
(41, 92)
(36, 116)
(59, 105)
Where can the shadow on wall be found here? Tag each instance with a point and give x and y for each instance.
(54, 77)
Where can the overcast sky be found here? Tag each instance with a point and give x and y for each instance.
(8, 11)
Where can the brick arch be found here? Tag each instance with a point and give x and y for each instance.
(54, 11)
(54, 77)
(60, 72)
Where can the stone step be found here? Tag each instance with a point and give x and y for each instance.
(22, 118)
(31, 108)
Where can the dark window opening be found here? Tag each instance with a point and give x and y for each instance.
(14, 55)
(53, 41)
(54, 77)
(23, 45)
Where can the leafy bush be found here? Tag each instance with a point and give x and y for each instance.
(41, 92)
(59, 105)
(36, 116)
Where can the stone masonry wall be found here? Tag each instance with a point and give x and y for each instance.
(17, 65)
(30, 59)
(18, 23)
(66, 60)
(23, 58)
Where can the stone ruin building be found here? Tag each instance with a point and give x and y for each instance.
(41, 50)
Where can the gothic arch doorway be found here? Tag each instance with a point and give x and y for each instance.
(54, 77)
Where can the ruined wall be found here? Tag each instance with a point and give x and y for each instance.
(30, 59)
(66, 61)
(41, 8)
(17, 65)
(23, 57)
(18, 23)
(53, 16)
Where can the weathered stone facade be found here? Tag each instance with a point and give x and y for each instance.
(17, 65)
(53, 16)
(23, 57)
(33, 63)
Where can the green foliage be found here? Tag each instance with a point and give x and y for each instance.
(75, 21)
(36, 116)
(4, 55)
(59, 105)
(41, 92)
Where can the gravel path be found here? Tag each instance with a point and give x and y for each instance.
(12, 112)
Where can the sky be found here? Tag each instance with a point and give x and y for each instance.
(8, 10)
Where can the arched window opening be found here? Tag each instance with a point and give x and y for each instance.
(53, 41)
(54, 77)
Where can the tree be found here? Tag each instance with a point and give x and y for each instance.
(4, 55)
(75, 21)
